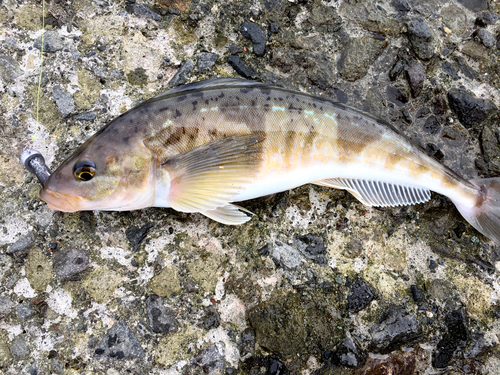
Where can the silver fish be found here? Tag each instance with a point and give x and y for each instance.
(203, 146)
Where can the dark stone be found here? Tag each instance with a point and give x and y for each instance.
(478, 346)
(432, 264)
(486, 18)
(420, 37)
(416, 76)
(276, 367)
(206, 60)
(234, 49)
(433, 150)
(24, 311)
(211, 319)
(69, 262)
(401, 6)
(348, 354)
(416, 293)
(19, 347)
(490, 147)
(239, 66)
(397, 69)
(358, 56)
(87, 116)
(161, 318)
(286, 256)
(396, 328)
(274, 28)
(23, 243)
(486, 38)
(52, 42)
(247, 344)
(396, 96)
(119, 343)
(312, 247)
(325, 19)
(360, 296)
(144, 11)
(422, 112)
(471, 111)
(475, 5)
(182, 75)
(136, 235)
(279, 324)
(450, 70)
(209, 360)
(9, 69)
(254, 33)
(5, 305)
(64, 101)
(432, 125)
(455, 339)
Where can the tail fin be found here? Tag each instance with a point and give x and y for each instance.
(485, 216)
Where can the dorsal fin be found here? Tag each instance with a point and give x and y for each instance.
(378, 193)
(209, 84)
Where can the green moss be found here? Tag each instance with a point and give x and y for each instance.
(138, 77)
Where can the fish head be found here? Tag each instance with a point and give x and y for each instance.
(102, 175)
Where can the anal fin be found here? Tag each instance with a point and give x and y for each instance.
(229, 214)
(378, 193)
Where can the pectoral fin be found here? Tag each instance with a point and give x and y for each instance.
(377, 193)
(229, 214)
(206, 178)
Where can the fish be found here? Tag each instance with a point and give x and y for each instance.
(203, 146)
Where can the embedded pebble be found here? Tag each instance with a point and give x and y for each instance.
(396, 329)
(119, 343)
(312, 247)
(161, 318)
(136, 235)
(420, 36)
(286, 256)
(254, 33)
(69, 262)
(19, 347)
(182, 75)
(144, 11)
(360, 296)
(416, 76)
(209, 360)
(6, 305)
(24, 311)
(240, 67)
(471, 111)
(87, 116)
(64, 101)
(486, 38)
(206, 60)
(349, 354)
(52, 42)
(22, 243)
(454, 340)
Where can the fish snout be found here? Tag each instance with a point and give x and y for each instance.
(61, 201)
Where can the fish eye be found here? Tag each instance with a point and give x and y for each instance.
(84, 170)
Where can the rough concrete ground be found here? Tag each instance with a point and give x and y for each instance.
(316, 283)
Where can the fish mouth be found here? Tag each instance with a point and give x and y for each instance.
(61, 201)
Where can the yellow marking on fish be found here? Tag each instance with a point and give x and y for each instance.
(276, 108)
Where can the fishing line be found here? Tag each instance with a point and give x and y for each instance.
(41, 71)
